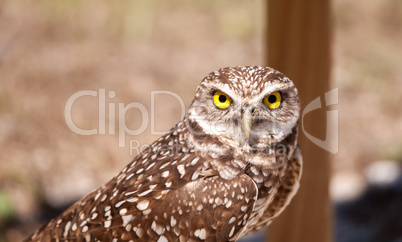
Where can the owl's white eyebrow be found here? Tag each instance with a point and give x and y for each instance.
(270, 89)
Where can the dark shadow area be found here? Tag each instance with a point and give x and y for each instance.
(375, 216)
(45, 213)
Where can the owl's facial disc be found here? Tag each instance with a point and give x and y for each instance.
(250, 106)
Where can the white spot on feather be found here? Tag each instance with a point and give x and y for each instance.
(181, 170)
(123, 211)
(94, 215)
(120, 203)
(144, 193)
(66, 228)
(142, 205)
(146, 212)
(162, 239)
(165, 174)
(131, 200)
(193, 162)
(172, 221)
(203, 234)
(127, 219)
(139, 232)
(232, 219)
(232, 231)
(157, 228)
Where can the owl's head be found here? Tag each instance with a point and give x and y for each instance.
(246, 105)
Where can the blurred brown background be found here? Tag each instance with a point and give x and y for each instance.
(50, 50)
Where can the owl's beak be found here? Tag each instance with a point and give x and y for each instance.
(246, 122)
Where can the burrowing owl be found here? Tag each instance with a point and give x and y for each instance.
(228, 168)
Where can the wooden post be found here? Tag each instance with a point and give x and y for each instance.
(298, 44)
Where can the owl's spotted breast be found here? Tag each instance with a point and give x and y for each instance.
(225, 170)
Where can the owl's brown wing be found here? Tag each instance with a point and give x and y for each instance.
(285, 193)
(209, 208)
(159, 196)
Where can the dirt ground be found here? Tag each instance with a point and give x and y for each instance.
(50, 50)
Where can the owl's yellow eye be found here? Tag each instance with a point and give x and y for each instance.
(222, 100)
(273, 100)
